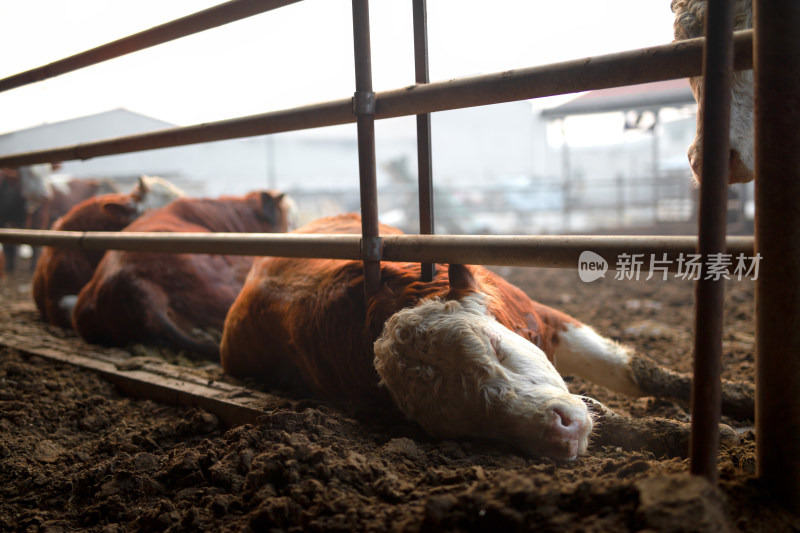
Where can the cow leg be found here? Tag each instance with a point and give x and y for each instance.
(660, 436)
(580, 351)
(738, 398)
(583, 352)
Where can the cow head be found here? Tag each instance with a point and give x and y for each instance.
(451, 367)
(152, 192)
(689, 23)
(279, 210)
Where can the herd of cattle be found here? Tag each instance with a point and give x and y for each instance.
(465, 355)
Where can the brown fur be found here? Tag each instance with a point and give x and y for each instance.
(61, 272)
(162, 298)
(304, 324)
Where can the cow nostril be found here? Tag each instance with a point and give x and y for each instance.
(563, 419)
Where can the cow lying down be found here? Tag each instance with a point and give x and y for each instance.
(175, 299)
(466, 355)
(61, 273)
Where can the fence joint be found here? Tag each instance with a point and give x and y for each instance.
(364, 103)
(371, 248)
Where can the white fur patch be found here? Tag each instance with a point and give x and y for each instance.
(158, 192)
(455, 370)
(582, 352)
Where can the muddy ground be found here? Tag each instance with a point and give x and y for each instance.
(76, 454)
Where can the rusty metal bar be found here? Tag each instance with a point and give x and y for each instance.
(364, 109)
(202, 20)
(424, 157)
(777, 234)
(675, 60)
(712, 215)
(553, 251)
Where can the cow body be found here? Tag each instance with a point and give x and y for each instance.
(171, 298)
(61, 273)
(689, 23)
(467, 354)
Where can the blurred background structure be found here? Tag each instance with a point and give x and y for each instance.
(607, 160)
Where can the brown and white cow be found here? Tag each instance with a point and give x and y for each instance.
(61, 273)
(175, 299)
(466, 355)
(68, 194)
(690, 16)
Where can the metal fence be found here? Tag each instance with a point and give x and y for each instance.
(777, 227)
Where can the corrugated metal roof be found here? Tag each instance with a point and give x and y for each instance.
(632, 97)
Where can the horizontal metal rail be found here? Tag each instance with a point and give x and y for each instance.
(552, 251)
(202, 20)
(669, 61)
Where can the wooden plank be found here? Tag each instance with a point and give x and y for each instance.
(148, 377)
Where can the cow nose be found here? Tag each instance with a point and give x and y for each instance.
(569, 421)
(694, 161)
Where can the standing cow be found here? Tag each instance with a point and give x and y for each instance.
(25, 200)
(61, 273)
(12, 211)
(690, 17)
(176, 299)
(466, 355)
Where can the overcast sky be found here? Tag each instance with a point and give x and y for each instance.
(292, 56)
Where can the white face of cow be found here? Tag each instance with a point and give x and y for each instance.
(742, 159)
(455, 370)
(689, 23)
(154, 192)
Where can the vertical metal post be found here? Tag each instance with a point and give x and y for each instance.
(424, 160)
(364, 108)
(710, 292)
(656, 164)
(776, 59)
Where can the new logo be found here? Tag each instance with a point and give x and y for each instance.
(591, 266)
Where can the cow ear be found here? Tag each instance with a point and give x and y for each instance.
(462, 282)
(140, 189)
(269, 206)
(120, 211)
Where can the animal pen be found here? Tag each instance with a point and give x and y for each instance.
(772, 49)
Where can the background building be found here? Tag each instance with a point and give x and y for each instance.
(608, 159)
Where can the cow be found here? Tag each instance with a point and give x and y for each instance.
(176, 300)
(30, 199)
(689, 23)
(61, 273)
(13, 213)
(68, 194)
(25, 199)
(465, 355)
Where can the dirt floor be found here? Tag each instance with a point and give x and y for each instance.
(76, 454)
